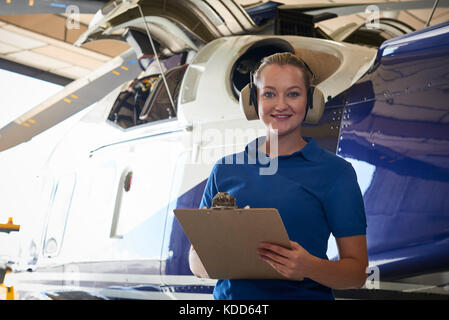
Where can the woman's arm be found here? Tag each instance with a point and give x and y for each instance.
(296, 263)
(196, 266)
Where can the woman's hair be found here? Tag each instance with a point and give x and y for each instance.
(282, 59)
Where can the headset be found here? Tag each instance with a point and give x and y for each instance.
(253, 90)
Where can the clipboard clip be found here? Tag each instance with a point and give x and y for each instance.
(224, 201)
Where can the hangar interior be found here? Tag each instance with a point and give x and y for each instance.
(41, 45)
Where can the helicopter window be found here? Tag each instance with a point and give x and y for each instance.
(158, 105)
(59, 210)
(146, 100)
(127, 107)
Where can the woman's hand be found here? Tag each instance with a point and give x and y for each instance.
(296, 263)
(292, 263)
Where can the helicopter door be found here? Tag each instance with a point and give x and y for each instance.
(58, 214)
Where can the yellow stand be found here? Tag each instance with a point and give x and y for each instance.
(6, 293)
(8, 227)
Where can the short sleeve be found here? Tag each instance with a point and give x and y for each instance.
(344, 207)
(210, 190)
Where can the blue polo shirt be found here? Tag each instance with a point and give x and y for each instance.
(316, 194)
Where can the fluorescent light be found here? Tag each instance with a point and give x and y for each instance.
(6, 48)
(19, 41)
(69, 56)
(38, 60)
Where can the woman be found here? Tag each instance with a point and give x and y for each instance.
(315, 192)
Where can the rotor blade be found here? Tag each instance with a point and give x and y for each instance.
(75, 97)
(48, 6)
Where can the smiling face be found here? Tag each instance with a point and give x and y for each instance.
(282, 98)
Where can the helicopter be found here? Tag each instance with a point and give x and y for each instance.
(103, 225)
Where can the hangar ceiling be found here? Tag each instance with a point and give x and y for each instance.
(42, 43)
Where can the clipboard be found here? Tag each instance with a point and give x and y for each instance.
(226, 240)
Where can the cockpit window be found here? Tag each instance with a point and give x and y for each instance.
(126, 109)
(158, 105)
(146, 99)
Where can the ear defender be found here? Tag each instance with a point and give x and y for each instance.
(309, 104)
(253, 93)
(310, 91)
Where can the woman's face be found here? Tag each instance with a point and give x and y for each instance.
(282, 98)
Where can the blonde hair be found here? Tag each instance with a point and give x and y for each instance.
(282, 59)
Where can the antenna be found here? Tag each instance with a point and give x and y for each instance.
(431, 13)
(156, 57)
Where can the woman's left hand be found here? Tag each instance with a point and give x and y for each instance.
(291, 263)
